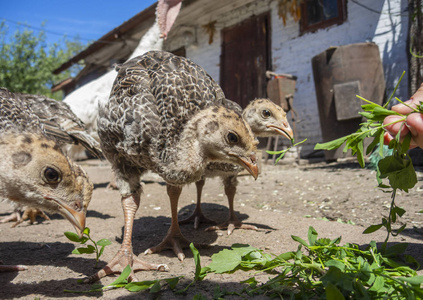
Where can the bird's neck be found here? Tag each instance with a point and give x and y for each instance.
(189, 158)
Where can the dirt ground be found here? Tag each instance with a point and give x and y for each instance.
(337, 199)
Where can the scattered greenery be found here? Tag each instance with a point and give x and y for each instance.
(397, 167)
(324, 270)
(282, 153)
(89, 249)
(319, 268)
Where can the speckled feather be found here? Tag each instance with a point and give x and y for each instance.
(16, 116)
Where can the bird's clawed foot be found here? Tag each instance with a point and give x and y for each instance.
(231, 225)
(175, 241)
(31, 214)
(198, 218)
(122, 259)
(13, 217)
(28, 214)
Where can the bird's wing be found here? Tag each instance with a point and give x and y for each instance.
(60, 122)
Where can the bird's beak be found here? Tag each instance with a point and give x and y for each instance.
(250, 164)
(284, 130)
(76, 218)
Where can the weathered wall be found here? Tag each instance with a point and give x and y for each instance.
(292, 53)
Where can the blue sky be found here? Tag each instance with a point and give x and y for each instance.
(89, 19)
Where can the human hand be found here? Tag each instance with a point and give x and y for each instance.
(412, 124)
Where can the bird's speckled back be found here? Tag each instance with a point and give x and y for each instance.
(153, 97)
(16, 116)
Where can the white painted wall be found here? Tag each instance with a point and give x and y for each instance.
(292, 53)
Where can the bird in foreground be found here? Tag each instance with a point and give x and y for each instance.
(266, 119)
(59, 123)
(34, 172)
(165, 114)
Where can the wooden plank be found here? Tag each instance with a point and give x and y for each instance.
(347, 105)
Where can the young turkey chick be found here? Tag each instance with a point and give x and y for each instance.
(165, 115)
(59, 123)
(34, 171)
(265, 119)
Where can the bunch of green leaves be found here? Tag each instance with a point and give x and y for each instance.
(324, 270)
(397, 167)
(282, 153)
(89, 249)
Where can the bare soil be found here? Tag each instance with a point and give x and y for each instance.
(337, 199)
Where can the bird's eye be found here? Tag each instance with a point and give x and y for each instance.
(266, 113)
(51, 175)
(232, 138)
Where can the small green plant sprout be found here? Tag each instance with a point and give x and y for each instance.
(396, 167)
(97, 247)
(282, 153)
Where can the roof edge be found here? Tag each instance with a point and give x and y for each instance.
(109, 37)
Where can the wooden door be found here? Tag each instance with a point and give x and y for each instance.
(245, 59)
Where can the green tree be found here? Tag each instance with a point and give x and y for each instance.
(27, 61)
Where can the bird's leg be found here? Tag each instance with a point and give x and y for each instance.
(197, 215)
(12, 268)
(233, 221)
(174, 239)
(125, 256)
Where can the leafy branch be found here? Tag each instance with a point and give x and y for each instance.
(89, 249)
(283, 152)
(397, 167)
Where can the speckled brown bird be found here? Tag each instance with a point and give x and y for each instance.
(59, 123)
(34, 171)
(265, 119)
(165, 114)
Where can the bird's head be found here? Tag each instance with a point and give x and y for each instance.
(227, 138)
(267, 119)
(45, 178)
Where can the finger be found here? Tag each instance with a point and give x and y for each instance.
(394, 128)
(418, 95)
(387, 137)
(414, 100)
(404, 109)
(415, 126)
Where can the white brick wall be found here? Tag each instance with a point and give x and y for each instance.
(292, 53)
